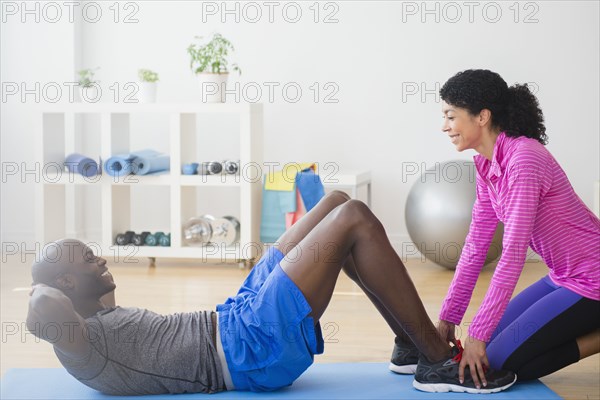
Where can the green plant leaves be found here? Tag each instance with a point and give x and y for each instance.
(147, 75)
(211, 56)
(86, 77)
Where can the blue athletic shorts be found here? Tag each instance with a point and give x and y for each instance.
(268, 337)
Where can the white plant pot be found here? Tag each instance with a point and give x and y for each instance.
(147, 92)
(90, 94)
(212, 87)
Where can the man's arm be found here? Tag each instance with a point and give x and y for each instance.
(53, 318)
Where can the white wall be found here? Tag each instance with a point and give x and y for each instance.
(370, 54)
(31, 52)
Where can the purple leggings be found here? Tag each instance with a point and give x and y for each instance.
(536, 336)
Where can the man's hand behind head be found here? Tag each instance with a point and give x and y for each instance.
(35, 286)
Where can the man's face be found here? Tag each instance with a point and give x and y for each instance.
(87, 273)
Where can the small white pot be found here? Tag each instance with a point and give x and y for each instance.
(147, 92)
(212, 87)
(90, 94)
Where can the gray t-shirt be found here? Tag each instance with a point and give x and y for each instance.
(135, 352)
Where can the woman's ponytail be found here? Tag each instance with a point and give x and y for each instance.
(523, 115)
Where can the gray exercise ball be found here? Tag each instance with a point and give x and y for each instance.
(438, 213)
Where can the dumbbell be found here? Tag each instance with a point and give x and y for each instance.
(210, 168)
(198, 230)
(231, 167)
(165, 240)
(226, 230)
(124, 238)
(152, 239)
(207, 229)
(140, 239)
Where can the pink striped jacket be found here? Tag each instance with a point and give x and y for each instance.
(524, 187)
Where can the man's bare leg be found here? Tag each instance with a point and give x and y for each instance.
(300, 229)
(350, 270)
(351, 229)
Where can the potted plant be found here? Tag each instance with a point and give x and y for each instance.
(209, 62)
(89, 88)
(148, 85)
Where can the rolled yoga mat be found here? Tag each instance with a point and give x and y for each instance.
(143, 165)
(123, 164)
(82, 165)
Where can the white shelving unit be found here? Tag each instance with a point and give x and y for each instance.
(55, 194)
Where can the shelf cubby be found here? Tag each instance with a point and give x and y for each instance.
(114, 129)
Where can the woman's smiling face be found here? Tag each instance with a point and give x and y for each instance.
(463, 129)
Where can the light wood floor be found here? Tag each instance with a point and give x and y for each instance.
(353, 330)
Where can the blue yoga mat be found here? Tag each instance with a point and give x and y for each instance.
(79, 164)
(321, 381)
(125, 164)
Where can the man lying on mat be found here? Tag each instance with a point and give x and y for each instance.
(261, 339)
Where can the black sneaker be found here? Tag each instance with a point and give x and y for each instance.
(443, 376)
(404, 357)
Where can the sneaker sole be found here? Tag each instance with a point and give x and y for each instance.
(447, 387)
(408, 369)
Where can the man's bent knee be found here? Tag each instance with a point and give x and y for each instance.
(338, 194)
(356, 212)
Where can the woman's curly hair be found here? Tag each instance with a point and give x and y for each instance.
(515, 110)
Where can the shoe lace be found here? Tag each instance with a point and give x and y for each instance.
(458, 357)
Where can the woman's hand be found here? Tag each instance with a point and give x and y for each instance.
(475, 357)
(446, 330)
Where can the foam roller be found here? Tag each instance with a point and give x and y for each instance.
(82, 165)
(122, 164)
(143, 165)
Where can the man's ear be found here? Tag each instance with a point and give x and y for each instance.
(65, 282)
